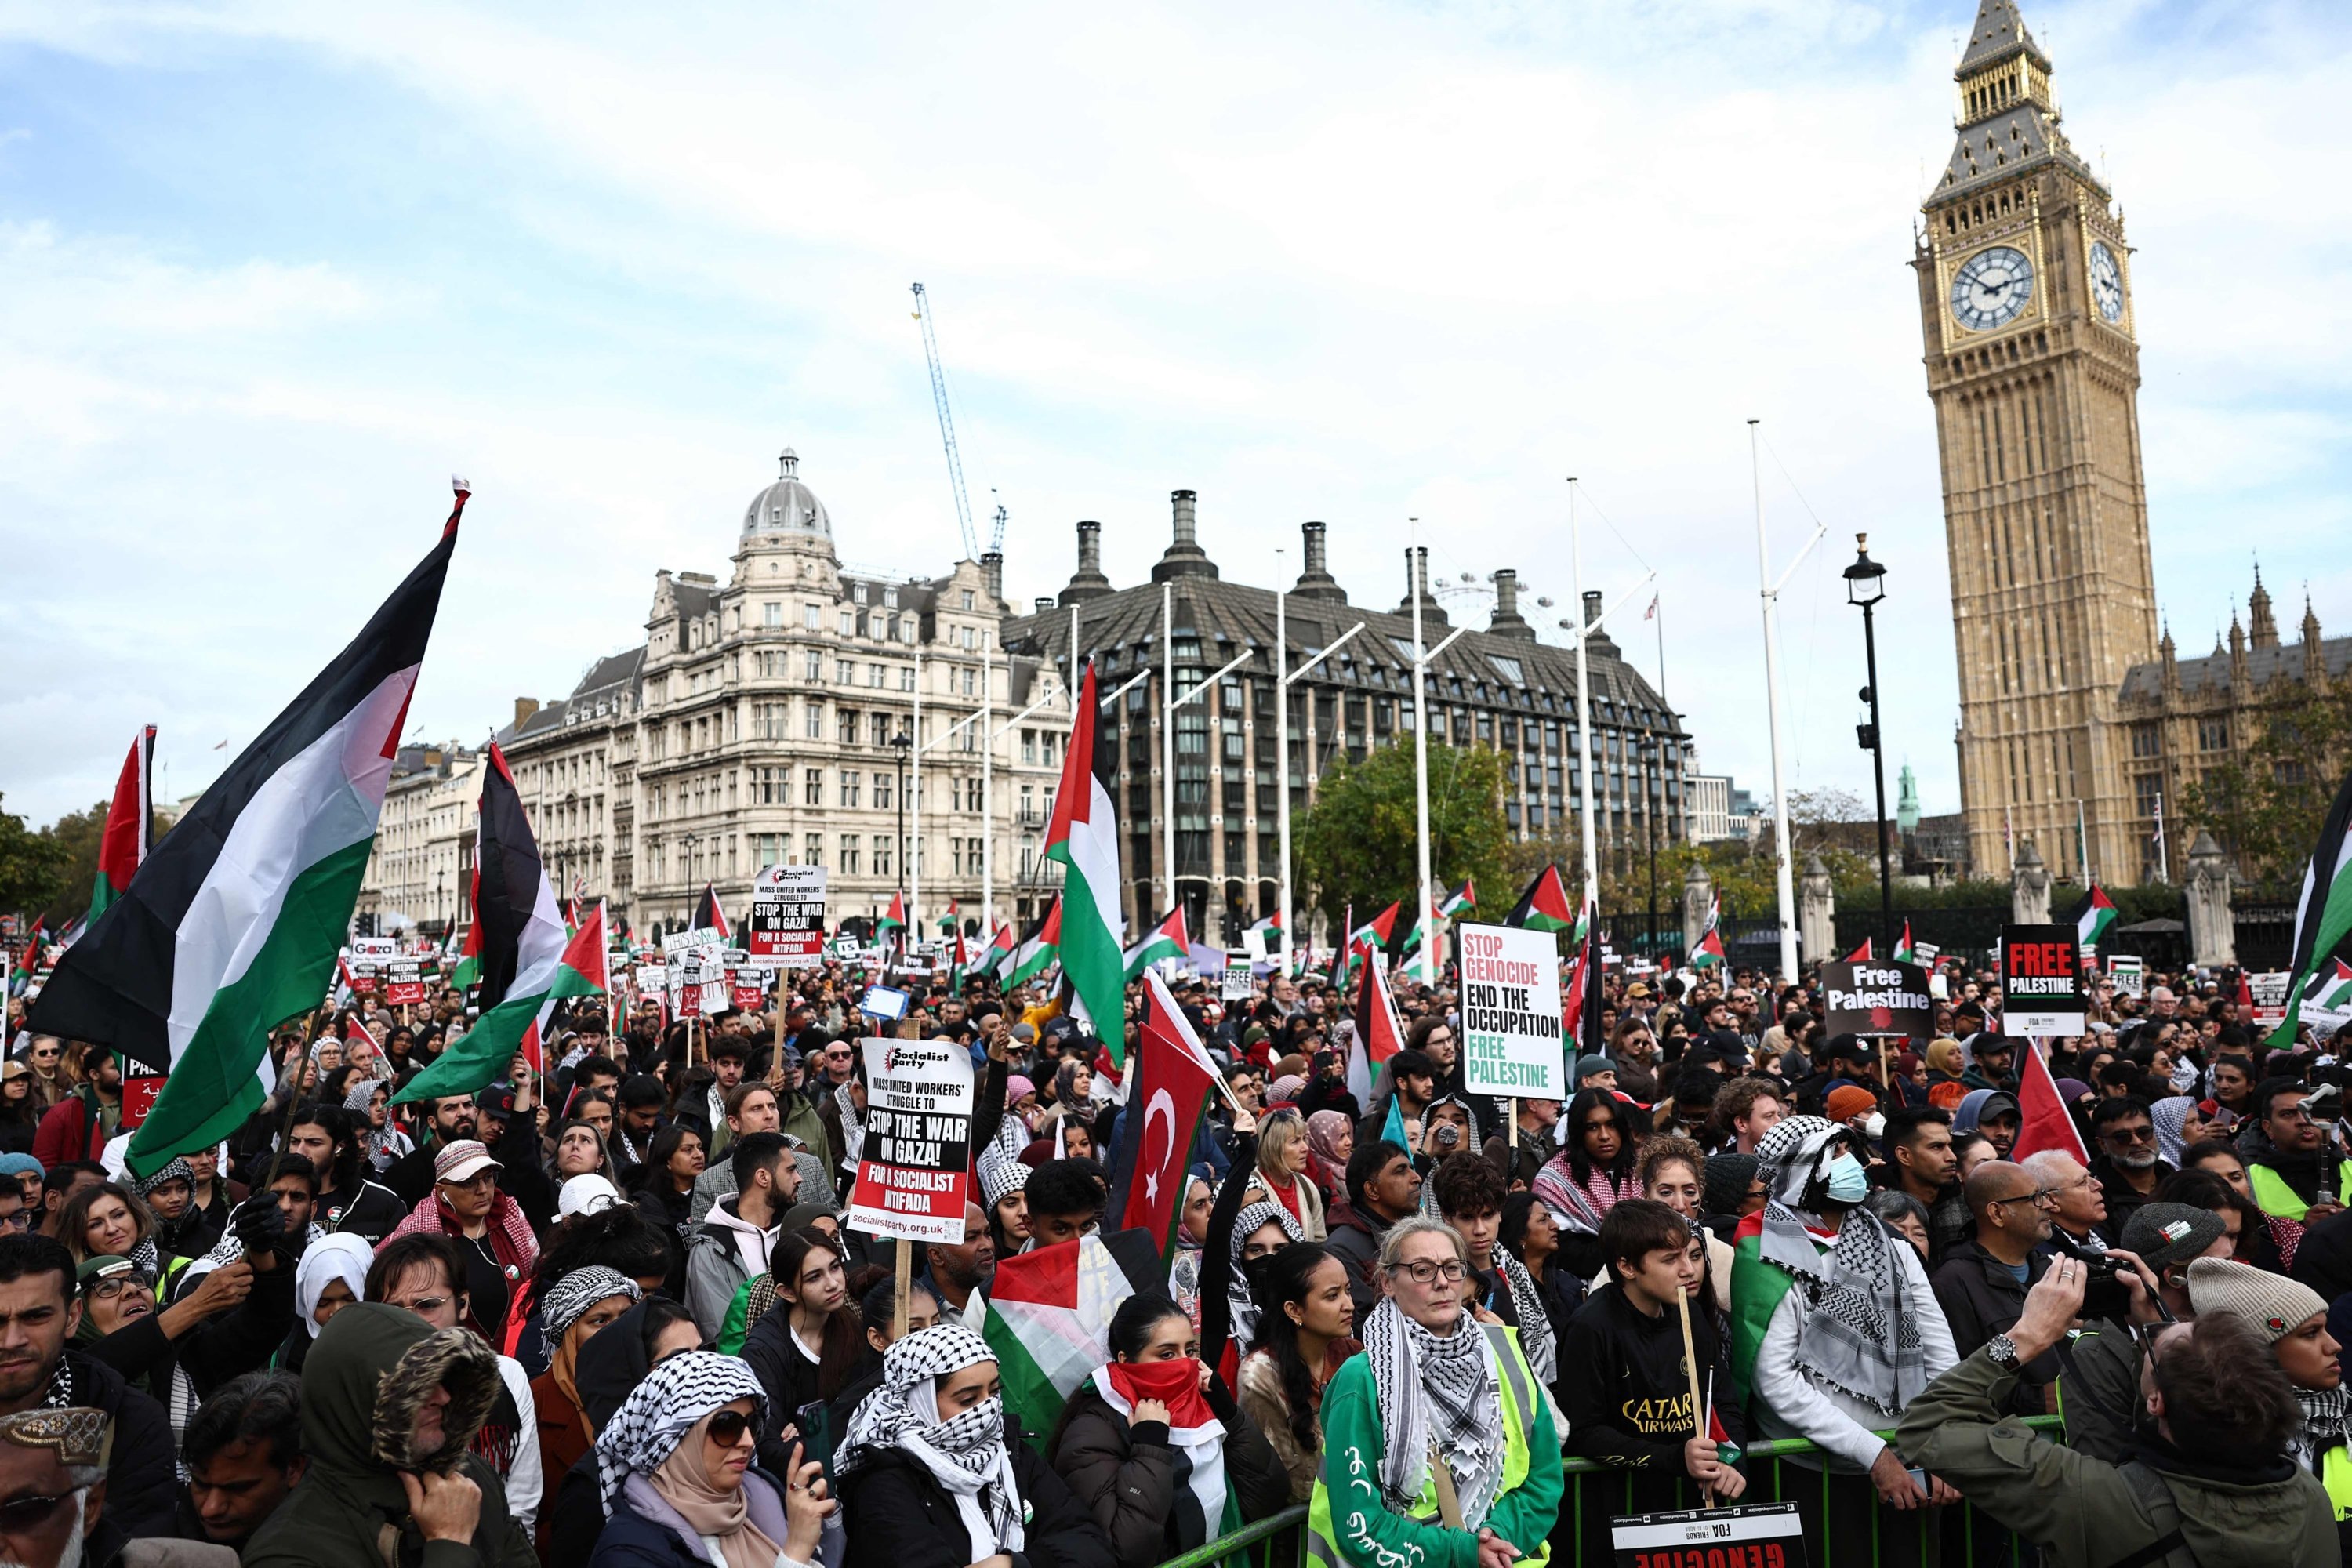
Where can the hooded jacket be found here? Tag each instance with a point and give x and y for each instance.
(720, 1256)
(367, 1375)
(140, 1477)
(895, 1515)
(610, 1364)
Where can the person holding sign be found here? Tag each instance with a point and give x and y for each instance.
(1440, 1447)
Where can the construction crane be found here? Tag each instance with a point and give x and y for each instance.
(946, 427)
(996, 534)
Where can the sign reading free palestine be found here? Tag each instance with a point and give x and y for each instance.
(1511, 1013)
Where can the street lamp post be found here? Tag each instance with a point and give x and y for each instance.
(1865, 586)
(902, 744)
(1648, 746)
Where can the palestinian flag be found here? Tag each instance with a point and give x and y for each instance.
(1544, 906)
(2323, 916)
(232, 925)
(1165, 939)
(1379, 1034)
(1459, 902)
(2094, 918)
(1084, 837)
(29, 961)
(708, 915)
(1865, 953)
(1757, 1287)
(128, 822)
(583, 948)
(1271, 924)
(1049, 1316)
(468, 971)
(895, 917)
(2046, 1123)
(997, 957)
(1709, 951)
(948, 922)
(526, 960)
(2333, 990)
(1173, 1081)
(1204, 1504)
(1906, 950)
(1580, 1001)
(1037, 948)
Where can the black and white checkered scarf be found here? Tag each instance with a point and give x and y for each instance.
(965, 1453)
(1441, 1391)
(664, 1409)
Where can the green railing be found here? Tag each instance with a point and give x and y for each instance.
(1949, 1535)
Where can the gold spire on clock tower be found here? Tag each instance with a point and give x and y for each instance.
(2025, 306)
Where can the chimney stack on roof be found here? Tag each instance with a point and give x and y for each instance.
(524, 708)
(1603, 647)
(1433, 613)
(1184, 556)
(991, 572)
(1087, 582)
(1507, 621)
(1316, 581)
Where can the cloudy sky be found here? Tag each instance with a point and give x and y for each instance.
(269, 272)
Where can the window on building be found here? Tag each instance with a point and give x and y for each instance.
(966, 600)
(815, 670)
(2144, 741)
(890, 598)
(849, 629)
(906, 677)
(2213, 733)
(772, 614)
(813, 854)
(885, 858)
(883, 797)
(849, 853)
(844, 673)
(2147, 790)
(907, 628)
(812, 617)
(846, 730)
(852, 784)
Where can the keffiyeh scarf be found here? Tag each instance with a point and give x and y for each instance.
(853, 1127)
(1248, 1223)
(1577, 1206)
(1535, 1323)
(1441, 1391)
(965, 1454)
(563, 1302)
(383, 1145)
(662, 1409)
(2171, 1118)
(2326, 1419)
(1859, 1336)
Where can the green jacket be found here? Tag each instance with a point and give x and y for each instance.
(1347, 1522)
(2086, 1511)
(365, 1377)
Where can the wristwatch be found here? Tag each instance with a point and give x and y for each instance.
(2003, 1351)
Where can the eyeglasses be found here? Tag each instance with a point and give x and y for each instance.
(22, 1516)
(727, 1428)
(109, 1288)
(2040, 1195)
(2142, 1134)
(424, 1304)
(1422, 1271)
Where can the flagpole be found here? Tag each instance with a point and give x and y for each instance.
(1783, 878)
(2163, 850)
(1168, 732)
(1416, 573)
(1282, 762)
(913, 849)
(987, 785)
(1584, 707)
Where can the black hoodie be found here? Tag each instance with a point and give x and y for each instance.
(1624, 1390)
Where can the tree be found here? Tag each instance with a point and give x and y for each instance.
(34, 867)
(1358, 844)
(2265, 804)
(76, 836)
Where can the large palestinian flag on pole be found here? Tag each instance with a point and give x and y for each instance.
(2323, 917)
(1173, 1083)
(710, 914)
(1544, 906)
(232, 923)
(527, 959)
(128, 822)
(1709, 951)
(1049, 1316)
(1036, 950)
(1165, 939)
(1380, 1034)
(2093, 919)
(895, 917)
(1084, 837)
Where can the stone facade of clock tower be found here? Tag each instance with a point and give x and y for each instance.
(2025, 300)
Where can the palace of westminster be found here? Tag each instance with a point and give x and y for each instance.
(771, 718)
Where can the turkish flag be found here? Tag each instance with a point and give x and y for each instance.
(1172, 1080)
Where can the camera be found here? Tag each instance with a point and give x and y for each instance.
(1448, 1135)
(2103, 1294)
(2323, 1103)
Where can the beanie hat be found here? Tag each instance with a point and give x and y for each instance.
(1728, 1175)
(2163, 1234)
(1587, 1066)
(2271, 1305)
(1846, 1101)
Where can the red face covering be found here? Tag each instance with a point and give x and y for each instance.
(1175, 1384)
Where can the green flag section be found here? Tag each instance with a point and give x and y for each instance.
(1165, 939)
(1049, 1316)
(123, 844)
(2093, 921)
(2323, 917)
(526, 960)
(1544, 906)
(1084, 837)
(1036, 950)
(1757, 1287)
(2334, 990)
(232, 924)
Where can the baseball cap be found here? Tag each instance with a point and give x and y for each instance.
(586, 1194)
(462, 1160)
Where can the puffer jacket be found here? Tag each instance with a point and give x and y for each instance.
(1126, 1476)
(368, 1373)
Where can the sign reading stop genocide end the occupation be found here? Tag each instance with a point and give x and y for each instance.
(2041, 981)
(911, 1169)
(1877, 1000)
(1511, 1041)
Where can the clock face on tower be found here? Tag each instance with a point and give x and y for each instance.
(1990, 288)
(2107, 281)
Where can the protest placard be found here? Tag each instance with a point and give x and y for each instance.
(786, 930)
(2041, 981)
(1511, 1041)
(912, 1176)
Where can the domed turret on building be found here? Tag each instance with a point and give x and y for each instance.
(787, 505)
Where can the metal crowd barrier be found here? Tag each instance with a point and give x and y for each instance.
(1955, 1536)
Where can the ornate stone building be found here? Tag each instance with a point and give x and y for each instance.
(2032, 363)
(770, 718)
(419, 869)
(1497, 687)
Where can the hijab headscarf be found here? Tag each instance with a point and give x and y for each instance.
(562, 1305)
(339, 1255)
(721, 1515)
(2171, 1118)
(1435, 1391)
(675, 1399)
(1248, 1223)
(964, 1453)
(1324, 1129)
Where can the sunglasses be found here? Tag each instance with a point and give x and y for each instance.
(21, 1516)
(727, 1428)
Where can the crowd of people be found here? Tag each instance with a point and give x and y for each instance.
(616, 1317)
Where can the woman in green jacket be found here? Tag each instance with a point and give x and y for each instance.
(1434, 1382)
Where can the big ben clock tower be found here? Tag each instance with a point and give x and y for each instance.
(2026, 303)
